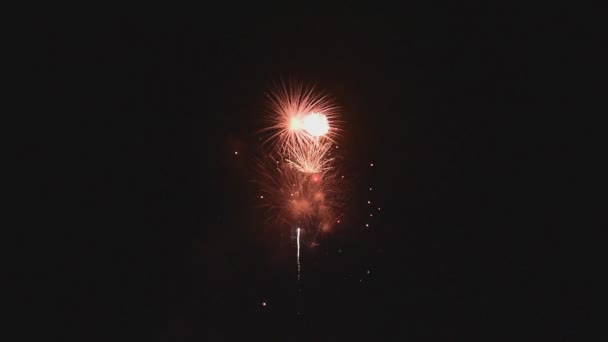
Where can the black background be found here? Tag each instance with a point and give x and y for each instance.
(156, 232)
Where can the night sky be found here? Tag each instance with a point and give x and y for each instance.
(157, 228)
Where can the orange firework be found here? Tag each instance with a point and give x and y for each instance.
(291, 196)
(299, 116)
(300, 181)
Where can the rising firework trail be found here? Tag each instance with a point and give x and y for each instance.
(298, 255)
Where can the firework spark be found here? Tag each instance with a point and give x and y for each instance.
(311, 159)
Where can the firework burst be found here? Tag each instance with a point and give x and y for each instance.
(291, 195)
(300, 116)
(300, 180)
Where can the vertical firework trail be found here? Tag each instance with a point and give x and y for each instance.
(298, 255)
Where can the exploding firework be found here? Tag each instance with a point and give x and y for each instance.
(291, 195)
(299, 117)
(301, 183)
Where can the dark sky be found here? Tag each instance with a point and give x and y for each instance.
(158, 230)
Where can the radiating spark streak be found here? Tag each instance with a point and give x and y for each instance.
(311, 159)
(298, 254)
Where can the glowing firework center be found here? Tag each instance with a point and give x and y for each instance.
(315, 124)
